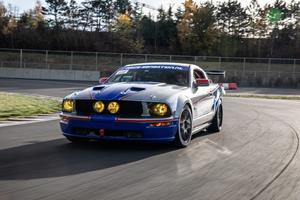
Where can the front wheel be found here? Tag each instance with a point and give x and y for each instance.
(217, 121)
(184, 132)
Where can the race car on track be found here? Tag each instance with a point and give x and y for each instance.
(148, 102)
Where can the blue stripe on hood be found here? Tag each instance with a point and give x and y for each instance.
(117, 91)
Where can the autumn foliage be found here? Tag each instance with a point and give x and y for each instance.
(223, 29)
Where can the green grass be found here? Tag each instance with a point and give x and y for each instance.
(265, 96)
(16, 105)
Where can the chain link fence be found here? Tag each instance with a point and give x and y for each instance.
(271, 72)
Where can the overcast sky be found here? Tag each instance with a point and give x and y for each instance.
(27, 4)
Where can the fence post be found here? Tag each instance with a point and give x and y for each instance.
(170, 58)
(244, 66)
(294, 69)
(220, 61)
(195, 60)
(21, 58)
(269, 67)
(146, 57)
(71, 64)
(96, 68)
(121, 59)
(46, 60)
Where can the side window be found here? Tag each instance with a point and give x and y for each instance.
(198, 74)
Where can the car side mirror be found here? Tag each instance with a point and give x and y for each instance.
(200, 82)
(103, 80)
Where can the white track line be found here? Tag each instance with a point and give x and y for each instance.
(22, 121)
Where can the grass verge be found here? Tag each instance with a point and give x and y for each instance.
(17, 105)
(265, 96)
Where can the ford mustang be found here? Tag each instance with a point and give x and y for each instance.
(148, 102)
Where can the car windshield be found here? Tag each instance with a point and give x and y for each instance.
(165, 74)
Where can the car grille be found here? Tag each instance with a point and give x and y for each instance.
(128, 109)
(108, 132)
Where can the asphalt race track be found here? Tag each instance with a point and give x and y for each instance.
(255, 156)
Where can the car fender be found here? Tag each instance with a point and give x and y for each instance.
(181, 102)
(219, 98)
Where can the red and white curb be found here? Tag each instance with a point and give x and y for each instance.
(229, 86)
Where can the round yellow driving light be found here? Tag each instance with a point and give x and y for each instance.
(159, 109)
(68, 105)
(98, 106)
(113, 107)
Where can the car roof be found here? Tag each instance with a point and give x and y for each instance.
(159, 63)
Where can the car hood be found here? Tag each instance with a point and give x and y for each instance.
(156, 92)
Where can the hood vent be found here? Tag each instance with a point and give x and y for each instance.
(137, 89)
(98, 88)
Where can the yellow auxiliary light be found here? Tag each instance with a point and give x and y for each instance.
(68, 105)
(99, 106)
(113, 107)
(159, 109)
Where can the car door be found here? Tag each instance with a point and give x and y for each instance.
(202, 99)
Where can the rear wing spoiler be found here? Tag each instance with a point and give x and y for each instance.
(215, 73)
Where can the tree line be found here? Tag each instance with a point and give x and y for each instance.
(222, 29)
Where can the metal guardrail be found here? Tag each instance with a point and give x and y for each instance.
(108, 62)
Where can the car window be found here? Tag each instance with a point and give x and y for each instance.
(198, 74)
(169, 76)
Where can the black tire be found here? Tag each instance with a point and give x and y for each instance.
(77, 140)
(217, 121)
(184, 132)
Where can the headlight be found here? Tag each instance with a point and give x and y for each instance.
(98, 106)
(159, 109)
(68, 105)
(113, 107)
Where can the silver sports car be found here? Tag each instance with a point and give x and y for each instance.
(149, 102)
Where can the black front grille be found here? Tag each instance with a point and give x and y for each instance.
(84, 131)
(84, 107)
(128, 109)
(108, 132)
(123, 133)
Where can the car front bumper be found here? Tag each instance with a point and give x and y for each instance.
(111, 128)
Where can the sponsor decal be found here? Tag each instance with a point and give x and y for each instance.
(166, 67)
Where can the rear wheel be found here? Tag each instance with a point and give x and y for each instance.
(184, 132)
(217, 121)
(77, 139)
